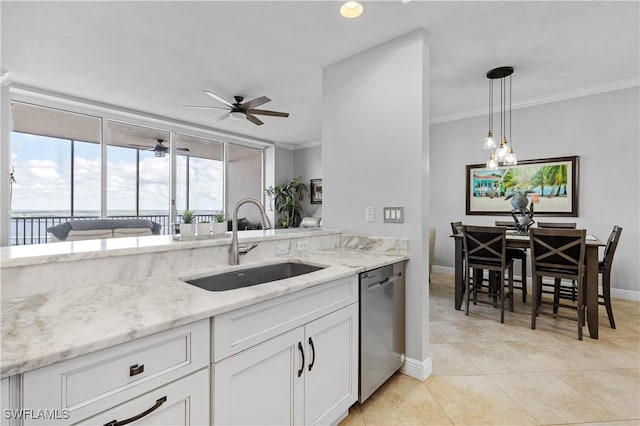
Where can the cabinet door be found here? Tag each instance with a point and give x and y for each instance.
(261, 385)
(183, 402)
(331, 383)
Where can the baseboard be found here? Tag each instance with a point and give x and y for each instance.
(615, 292)
(420, 370)
(625, 294)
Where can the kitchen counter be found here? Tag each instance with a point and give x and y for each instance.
(49, 327)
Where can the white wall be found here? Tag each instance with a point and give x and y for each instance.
(245, 181)
(602, 129)
(375, 153)
(307, 163)
(284, 165)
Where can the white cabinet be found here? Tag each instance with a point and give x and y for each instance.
(331, 377)
(183, 402)
(111, 379)
(308, 375)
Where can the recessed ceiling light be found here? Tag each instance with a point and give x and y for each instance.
(351, 9)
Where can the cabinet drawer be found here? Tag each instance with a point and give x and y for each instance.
(183, 402)
(85, 384)
(245, 327)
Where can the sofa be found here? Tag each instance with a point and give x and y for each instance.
(78, 230)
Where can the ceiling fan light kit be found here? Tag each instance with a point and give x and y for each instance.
(239, 110)
(351, 9)
(503, 153)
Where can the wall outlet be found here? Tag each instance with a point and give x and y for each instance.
(302, 245)
(282, 248)
(370, 214)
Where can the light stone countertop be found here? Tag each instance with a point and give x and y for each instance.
(45, 328)
(36, 254)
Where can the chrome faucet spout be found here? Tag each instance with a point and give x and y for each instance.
(234, 257)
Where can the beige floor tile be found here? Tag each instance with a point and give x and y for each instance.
(354, 418)
(616, 390)
(499, 357)
(436, 338)
(476, 400)
(403, 401)
(631, 343)
(616, 423)
(550, 400)
(448, 360)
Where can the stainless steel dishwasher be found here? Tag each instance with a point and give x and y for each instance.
(381, 326)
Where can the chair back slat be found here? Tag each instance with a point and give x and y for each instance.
(558, 251)
(456, 228)
(557, 225)
(484, 245)
(612, 244)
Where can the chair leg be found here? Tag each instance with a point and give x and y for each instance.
(534, 304)
(468, 283)
(556, 296)
(511, 289)
(580, 302)
(524, 280)
(502, 296)
(606, 292)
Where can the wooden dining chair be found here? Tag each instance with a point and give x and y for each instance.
(566, 290)
(604, 268)
(485, 249)
(520, 254)
(557, 253)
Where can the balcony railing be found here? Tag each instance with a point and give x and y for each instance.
(33, 229)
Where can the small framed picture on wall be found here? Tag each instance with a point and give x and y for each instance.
(315, 191)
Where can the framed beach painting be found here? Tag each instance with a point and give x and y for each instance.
(550, 183)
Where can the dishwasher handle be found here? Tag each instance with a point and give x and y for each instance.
(384, 283)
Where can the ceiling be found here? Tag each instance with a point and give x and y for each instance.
(157, 56)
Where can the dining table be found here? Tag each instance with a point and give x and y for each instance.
(521, 241)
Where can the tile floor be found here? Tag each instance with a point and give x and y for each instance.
(488, 373)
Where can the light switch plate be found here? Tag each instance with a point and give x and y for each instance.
(370, 214)
(393, 214)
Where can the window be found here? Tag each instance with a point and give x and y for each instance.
(56, 158)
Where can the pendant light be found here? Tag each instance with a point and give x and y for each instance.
(503, 153)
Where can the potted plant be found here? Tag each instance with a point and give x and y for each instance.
(287, 199)
(186, 227)
(204, 228)
(219, 223)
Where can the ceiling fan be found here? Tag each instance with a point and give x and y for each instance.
(160, 150)
(240, 111)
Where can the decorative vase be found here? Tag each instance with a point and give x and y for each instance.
(219, 227)
(204, 229)
(186, 230)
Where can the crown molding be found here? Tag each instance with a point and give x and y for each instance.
(556, 97)
(305, 145)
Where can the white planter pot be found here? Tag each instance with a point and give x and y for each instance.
(186, 230)
(204, 229)
(219, 227)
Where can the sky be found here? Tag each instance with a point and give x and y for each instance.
(42, 170)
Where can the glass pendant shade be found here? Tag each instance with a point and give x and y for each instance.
(510, 159)
(501, 152)
(492, 164)
(489, 142)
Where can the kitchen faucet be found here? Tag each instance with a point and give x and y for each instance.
(236, 251)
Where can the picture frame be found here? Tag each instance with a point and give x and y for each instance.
(315, 191)
(550, 183)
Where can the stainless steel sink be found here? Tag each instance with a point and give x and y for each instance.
(252, 276)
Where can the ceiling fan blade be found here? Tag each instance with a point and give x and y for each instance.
(218, 98)
(183, 149)
(203, 107)
(223, 117)
(267, 112)
(254, 103)
(255, 120)
(141, 146)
